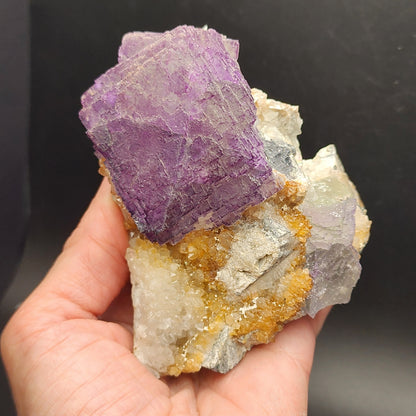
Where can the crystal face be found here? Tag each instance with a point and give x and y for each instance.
(232, 233)
(174, 122)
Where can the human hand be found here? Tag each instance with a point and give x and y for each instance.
(68, 348)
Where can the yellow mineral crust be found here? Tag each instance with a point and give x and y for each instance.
(204, 251)
(256, 315)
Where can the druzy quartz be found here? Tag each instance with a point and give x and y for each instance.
(232, 233)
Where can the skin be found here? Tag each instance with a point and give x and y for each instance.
(68, 348)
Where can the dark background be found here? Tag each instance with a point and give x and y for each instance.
(349, 65)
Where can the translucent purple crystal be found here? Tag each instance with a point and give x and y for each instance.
(332, 261)
(174, 121)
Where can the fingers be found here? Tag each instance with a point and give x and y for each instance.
(296, 342)
(319, 320)
(91, 270)
(274, 377)
(276, 374)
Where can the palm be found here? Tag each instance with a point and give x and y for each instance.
(77, 364)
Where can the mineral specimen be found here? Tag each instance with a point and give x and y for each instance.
(232, 234)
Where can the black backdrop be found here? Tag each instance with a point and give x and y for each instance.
(349, 65)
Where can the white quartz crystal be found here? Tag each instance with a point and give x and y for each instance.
(166, 307)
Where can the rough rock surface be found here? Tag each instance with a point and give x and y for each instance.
(232, 234)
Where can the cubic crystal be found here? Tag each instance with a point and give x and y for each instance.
(174, 122)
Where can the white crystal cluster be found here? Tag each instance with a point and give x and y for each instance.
(166, 307)
(183, 322)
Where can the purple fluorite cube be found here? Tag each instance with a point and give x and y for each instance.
(174, 121)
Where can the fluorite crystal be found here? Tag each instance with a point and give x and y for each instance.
(232, 234)
(174, 121)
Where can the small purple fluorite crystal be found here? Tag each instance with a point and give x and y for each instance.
(174, 121)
